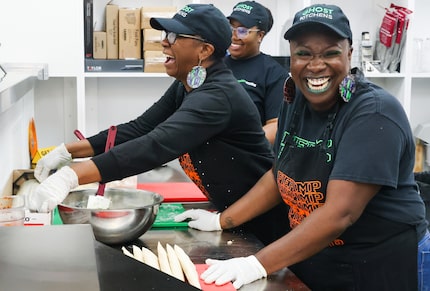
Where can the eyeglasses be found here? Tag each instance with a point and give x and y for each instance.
(242, 32)
(172, 36)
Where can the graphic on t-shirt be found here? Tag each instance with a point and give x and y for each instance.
(249, 83)
(189, 169)
(302, 143)
(302, 197)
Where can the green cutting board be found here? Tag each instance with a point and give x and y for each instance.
(166, 216)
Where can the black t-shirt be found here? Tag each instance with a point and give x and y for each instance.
(373, 144)
(263, 78)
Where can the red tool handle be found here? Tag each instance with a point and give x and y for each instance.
(110, 142)
(79, 134)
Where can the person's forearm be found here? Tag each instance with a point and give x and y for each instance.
(259, 199)
(311, 236)
(344, 204)
(270, 129)
(80, 149)
(87, 172)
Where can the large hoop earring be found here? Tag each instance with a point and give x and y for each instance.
(347, 88)
(197, 76)
(289, 90)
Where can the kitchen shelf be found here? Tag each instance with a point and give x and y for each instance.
(384, 75)
(420, 75)
(126, 75)
(85, 100)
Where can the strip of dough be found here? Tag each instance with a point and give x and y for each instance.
(137, 254)
(188, 267)
(163, 260)
(127, 252)
(150, 258)
(175, 265)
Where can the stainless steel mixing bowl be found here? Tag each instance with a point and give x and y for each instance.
(131, 213)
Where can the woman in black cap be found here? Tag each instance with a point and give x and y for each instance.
(205, 118)
(344, 158)
(260, 75)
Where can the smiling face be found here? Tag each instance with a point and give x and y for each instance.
(183, 55)
(246, 47)
(319, 63)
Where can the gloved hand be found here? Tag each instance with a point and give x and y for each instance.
(240, 271)
(55, 159)
(201, 219)
(53, 190)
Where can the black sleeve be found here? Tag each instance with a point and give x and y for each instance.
(202, 115)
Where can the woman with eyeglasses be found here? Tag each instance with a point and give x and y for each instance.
(260, 75)
(205, 118)
(344, 159)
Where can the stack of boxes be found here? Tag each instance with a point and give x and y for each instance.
(129, 42)
(152, 49)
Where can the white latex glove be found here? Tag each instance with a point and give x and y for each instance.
(55, 159)
(53, 190)
(240, 271)
(201, 219)
(26, 188)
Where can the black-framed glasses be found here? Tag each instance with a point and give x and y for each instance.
(242, 32)
(172, 36)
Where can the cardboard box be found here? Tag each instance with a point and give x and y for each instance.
(112, 26)
(17, 178)
(152, 40)
(156, 11)
(99, 45)
(129, 34)
(125, 66)
(154, 62)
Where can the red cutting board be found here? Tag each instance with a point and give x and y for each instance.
(212, 287)
(175, 192)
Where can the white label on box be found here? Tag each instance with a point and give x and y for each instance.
(37, 219)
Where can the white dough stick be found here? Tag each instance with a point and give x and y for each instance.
(150, 258)
(175, 265)
(127, 252)
(137, 253)
(188, 267)
(163, 260)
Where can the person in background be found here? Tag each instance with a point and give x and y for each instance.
(260, 75)
(344, 159)
(205, 119)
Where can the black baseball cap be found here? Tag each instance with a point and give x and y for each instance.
(251, 13)
(204, 20)
(329, 16)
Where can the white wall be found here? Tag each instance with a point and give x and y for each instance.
(14, 150)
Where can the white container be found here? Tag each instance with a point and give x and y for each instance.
(12, 211)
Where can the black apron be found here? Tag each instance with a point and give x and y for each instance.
(372, 254)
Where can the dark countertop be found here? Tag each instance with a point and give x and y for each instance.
(200, 245)
(66, 257)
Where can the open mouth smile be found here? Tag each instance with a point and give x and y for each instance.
(318, 85)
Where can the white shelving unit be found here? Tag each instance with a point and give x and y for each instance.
(51, 31)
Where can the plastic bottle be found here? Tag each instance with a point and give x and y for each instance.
(366, 49)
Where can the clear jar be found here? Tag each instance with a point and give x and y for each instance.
(12, 211)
